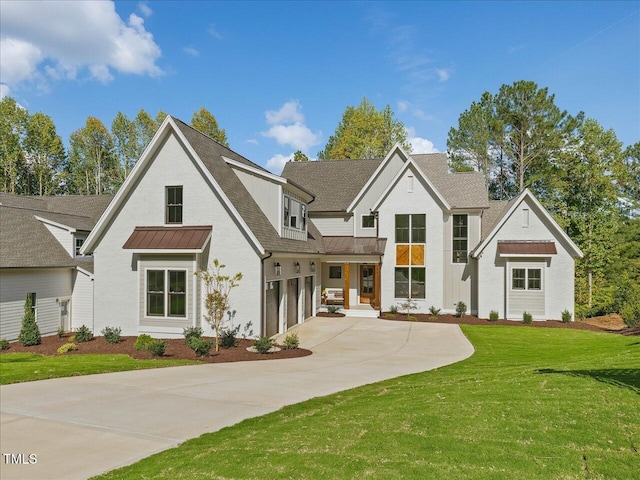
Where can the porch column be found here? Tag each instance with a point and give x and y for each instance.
(376, 286)
(345, 268)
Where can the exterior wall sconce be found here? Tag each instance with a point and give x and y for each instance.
(297, 266)
(278, 269)
(312, 266)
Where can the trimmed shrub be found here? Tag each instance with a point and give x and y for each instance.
(29, 333)
(201, 346)
(411, 318)
(566, 316)
(263, 344)
(630, 313)
(333, 308)
(461, 308)
(291, 341)
(157, 347)
(60, 332)
(191, 332)
(4, 344)
(143, 342)
(67, 347)
(112, 335)
(83, 334)
(494, 315)
(388, 316)
(228, 338)
(393, 309)
(527, 317)
(434, 311)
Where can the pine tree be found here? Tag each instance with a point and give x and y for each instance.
(29, 333)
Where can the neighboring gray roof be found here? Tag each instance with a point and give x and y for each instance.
(335, 183)
(25, 242)
(211, 153)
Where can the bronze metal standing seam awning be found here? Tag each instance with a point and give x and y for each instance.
(507, 248)
(354, 246)
(169, 238)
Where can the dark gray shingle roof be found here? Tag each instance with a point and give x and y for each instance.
(25, 242)
(211, 153)
(335, 183)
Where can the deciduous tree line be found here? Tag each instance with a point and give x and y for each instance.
(34, 161)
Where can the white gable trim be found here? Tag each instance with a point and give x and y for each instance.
(554, 225)
(396, 148)
(254, 171)
(410, 164)
(167, 125)
(85, 272)
(56, 224)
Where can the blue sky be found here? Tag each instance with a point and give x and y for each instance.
(278, 75)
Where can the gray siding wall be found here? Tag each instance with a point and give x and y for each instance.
(48, 284)
(531, 301)
(117, 280)
(82, 301)
(266, 194)
(339, 226)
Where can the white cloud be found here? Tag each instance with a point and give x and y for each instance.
(297, 136)
(443, 74)
(252, 141)
(191, 51)
(277, 162)
(144, 9)
(62, 39)
(403, 106)
(214, 32)
(291, 112)
(419, 144)
(4, 91)
(417, 112)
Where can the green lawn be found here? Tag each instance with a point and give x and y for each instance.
(25, 367)
(531, 403)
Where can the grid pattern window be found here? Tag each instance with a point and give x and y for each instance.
(368, 221)
(460, 238)
(174, 205)
(166, 293)
(410, 272)
(526, 279)
(335, 271)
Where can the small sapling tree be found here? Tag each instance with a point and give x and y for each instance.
(408, 305)
(217, 288)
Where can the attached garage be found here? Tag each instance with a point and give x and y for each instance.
(272, 308)
(292, 302)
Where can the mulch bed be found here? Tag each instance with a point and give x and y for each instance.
(327, 314)
(176, 350)
(471, 320)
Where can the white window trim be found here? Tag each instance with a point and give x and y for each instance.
(367, 215)
(166, 316)
(526, 278)
(453, 238)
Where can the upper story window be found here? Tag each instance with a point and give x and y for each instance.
(294, 214)
(174, 205)
(368, 221)
(78, 242)
(460, 238)
(411, 228)
(410, 271)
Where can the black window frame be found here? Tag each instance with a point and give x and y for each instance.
(460, 242)
(167, 294)
(174, 205)
(371, 221)
(333, 269)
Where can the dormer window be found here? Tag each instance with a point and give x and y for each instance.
(294, 214)
(173, 205)
(79, 241)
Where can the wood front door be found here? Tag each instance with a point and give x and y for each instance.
(367, 287)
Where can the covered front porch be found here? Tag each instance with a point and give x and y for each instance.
(351, 273)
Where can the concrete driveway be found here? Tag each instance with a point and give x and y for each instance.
(82, 426)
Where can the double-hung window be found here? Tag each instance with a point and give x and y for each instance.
(166, 293)
(410, 272)
(460, 238)
(173, 212)
(526, 279)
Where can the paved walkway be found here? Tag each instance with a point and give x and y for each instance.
(82, 426)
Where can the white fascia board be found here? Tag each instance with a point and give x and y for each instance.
(255, 171)
(86, 272)
(396, 148)
(554, 225)
(410, 164)
(56, 224)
